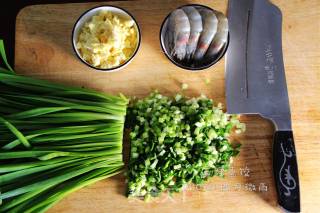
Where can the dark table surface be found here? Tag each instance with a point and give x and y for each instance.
(8, 13)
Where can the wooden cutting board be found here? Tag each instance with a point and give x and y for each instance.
(43, 50)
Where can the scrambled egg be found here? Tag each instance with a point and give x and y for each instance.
(107, 40)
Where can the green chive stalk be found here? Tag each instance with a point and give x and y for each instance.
(54, 139)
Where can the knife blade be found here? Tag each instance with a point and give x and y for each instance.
(256, 84)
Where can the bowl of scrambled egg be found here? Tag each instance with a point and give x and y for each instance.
(106, 38)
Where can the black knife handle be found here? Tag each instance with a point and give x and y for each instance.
(285, 171)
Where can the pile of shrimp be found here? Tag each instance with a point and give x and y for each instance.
(196, 34)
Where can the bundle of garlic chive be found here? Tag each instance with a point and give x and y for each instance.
(54, 140)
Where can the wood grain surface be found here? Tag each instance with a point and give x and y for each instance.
(43, 50)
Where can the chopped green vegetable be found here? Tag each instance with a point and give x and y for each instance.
(177, 141)
(207, 81)
(54, 140)
(184, 86)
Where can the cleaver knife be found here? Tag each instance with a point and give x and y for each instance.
(256, 84)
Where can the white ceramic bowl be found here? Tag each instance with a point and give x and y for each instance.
(86, 16)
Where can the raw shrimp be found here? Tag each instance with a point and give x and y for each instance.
(209, 30)
(195, 29)
(221, 37)
(178, 33)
